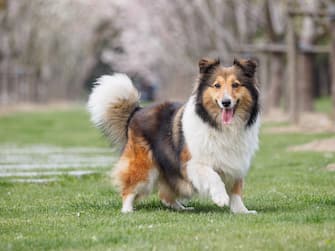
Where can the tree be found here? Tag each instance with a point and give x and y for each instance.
(47, 47)
(167, 47)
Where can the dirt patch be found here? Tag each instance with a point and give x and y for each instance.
(324, 145)
(31, 107)
(331, 167)
(275, 115)
(308, 123)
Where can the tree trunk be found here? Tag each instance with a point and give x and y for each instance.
(292, 94)
(305, 81)
(264, 80)
(332, 57)
(305, 61)
(277, 64)
(277, 80)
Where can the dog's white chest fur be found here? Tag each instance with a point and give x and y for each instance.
(229, 150)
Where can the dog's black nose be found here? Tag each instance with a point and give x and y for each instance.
(226, 102)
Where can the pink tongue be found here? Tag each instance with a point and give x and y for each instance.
(227, 116)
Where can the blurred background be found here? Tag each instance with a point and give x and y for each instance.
(52, 51)
(55, 190)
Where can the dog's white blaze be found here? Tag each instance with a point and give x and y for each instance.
(227, 96)
(228, 150)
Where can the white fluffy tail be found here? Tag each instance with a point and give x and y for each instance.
(111, 104)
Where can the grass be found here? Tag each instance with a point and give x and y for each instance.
(61, 128)
(323, 105)
(292, 192)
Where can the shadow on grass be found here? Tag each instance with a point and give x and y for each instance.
(154, 205)
(109, 201)
(198, 207)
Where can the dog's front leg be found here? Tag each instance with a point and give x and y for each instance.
(236, 203)
(208, 182)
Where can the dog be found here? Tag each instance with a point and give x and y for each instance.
(203, 146)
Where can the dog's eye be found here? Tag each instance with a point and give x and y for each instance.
(217, 85)
(235, 85)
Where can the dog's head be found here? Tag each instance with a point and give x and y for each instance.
(224, 94)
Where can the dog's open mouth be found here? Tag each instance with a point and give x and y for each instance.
(227, 115)
(228, 112)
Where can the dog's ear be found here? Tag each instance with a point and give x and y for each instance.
(248, 66)
(207, 64)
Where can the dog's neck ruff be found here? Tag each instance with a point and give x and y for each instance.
(228, 149)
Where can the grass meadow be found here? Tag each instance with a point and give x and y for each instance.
(293, 193)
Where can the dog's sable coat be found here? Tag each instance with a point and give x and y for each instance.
(205, 145)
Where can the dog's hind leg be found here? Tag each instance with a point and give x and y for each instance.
(135, 174)
(127, 202)
(168, 197)
(136, 190)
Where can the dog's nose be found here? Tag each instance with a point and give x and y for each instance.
(226, 102)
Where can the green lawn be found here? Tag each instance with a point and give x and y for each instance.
(323, 105)
(293, 193)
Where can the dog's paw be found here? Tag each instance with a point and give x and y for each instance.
(177, 205)
(237, 206)
(181, 206)
(126, 210)
(243, 211)
(221, 199)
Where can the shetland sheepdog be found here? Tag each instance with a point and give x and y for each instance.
(203, 146)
